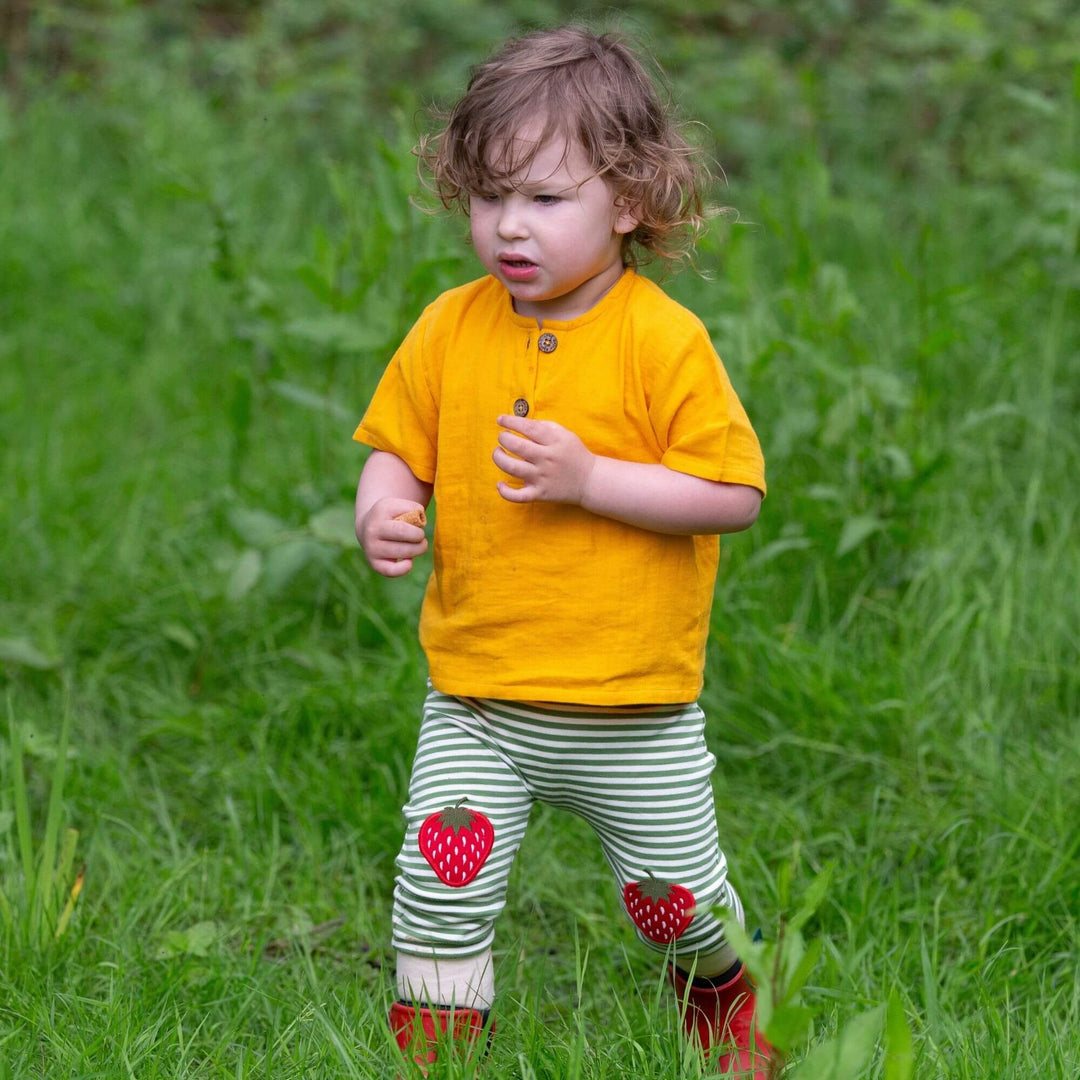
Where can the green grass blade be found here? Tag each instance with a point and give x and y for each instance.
(815, 893)
(22, 811)
(45, 900)
(6, 913)
(899, 1054)
(62, 873)
(69, 907)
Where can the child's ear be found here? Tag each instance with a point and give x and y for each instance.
(626, 221)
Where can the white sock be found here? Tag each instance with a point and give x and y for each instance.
(468, 982)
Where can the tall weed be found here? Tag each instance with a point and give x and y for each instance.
(37, 900)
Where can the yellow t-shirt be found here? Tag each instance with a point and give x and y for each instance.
(545, 601)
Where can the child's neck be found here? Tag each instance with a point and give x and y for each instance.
(571, 305)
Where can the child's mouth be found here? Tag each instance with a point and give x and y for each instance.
(517, 269)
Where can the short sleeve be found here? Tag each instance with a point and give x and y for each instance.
(699, 421)
(403, 417)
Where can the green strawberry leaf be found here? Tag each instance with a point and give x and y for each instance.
(653, 888)
(457, 819)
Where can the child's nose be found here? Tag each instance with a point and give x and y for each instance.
(511, 222)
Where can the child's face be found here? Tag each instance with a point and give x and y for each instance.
(554, 238)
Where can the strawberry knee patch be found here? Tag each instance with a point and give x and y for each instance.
(661, 910)
(456, 842)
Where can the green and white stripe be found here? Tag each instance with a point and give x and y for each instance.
(641, 780)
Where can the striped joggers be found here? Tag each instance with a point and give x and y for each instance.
(641, 780)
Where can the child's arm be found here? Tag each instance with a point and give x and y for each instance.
(556, 466)
(388, 488)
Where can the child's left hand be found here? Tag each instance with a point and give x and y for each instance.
(553, 463)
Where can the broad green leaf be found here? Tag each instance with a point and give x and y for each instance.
(284, 561)
(824, 493)
(1035, 101)
(335, 525)
(257, 528)
(886, 386)
(899, 1053)
(183, 189)
(751, 953)
(840, 301)
(174, 944)
(195, 941)
(23, 652)
(759, 958)
(841, 418)
(300, 395)
(392, 202)
(201, 936)
(180, 635)
(794, 428)
(245, 575)
(775, 549)
(815, 893)
(322, 289)
(856, 531)
(788, 1026)
(793, 950)
(899, 460)
(846, 1055)
(37, 744)
(992, 412)
(806, 965)
(404, 594)
(315, 660)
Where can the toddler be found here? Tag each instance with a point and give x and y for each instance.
(584, 448)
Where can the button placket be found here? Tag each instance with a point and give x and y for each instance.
(521, 404)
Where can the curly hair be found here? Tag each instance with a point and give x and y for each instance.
(584, 87)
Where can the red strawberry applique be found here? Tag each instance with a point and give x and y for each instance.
(456, 842)
(661, 910)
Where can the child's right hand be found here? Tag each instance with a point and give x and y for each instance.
(391, 546)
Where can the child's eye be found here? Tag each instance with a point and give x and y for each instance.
(486, 196)
(547, 200)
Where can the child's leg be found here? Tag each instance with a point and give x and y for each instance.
(650, 800)
(642, 781)
(651, 803)
(466, 816)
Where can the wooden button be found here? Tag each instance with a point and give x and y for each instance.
(521, 407)
(547, 343)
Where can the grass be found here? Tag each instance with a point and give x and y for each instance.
(192, 312)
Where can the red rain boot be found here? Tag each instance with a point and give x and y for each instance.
(721, 1018)
(418, 1031)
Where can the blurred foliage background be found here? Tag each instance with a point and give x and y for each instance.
(209, 244)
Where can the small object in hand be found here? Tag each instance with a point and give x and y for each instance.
(413, 517)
